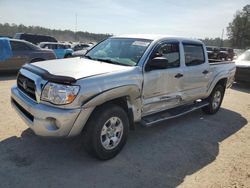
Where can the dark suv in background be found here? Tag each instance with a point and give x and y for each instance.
(223, 53)
(212, 52)
(33, 38)
(226, 53)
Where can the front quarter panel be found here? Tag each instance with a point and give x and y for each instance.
(103, 88)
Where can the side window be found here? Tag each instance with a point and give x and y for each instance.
(194, 54)
(171, 52)
(53, 46)
(46, 46)
(60, 46)
(18, 46)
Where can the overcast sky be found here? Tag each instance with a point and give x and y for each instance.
(193, 18)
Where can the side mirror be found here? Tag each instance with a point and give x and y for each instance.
(157, 63)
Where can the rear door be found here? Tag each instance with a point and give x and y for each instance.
(162, 87)
(196, 71)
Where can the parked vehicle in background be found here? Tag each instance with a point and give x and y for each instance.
(34, 38)
(80, 46)
(226, 54)
(120, 81)
(66, 44)
(79, 53)
(243, 67)
(22, 52)
(212, 52)
(61, 50)
(238, 52)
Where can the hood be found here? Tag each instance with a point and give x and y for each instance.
(240, 63)
(78, 67)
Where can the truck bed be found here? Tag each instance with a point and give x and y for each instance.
(218, 67)
(218, 62)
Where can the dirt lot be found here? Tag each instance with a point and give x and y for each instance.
(195, 150)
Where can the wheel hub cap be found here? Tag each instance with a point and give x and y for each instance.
(111, 133)
(216, 99)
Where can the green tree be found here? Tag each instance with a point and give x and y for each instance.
(239, 29)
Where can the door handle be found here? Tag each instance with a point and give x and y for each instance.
(205, 72)
(178, 75)
(165, 97)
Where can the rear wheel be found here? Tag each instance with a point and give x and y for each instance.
(106, 132)
(215, 100)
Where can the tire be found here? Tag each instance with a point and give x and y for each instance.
(215, 100)
(100, 140)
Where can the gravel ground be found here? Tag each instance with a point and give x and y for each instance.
(196, 150)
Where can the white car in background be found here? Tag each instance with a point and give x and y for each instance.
(243, 67)
(82, 52)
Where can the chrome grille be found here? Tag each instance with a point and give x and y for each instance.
(27, 86)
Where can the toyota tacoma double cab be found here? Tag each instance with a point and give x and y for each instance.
(122, 82)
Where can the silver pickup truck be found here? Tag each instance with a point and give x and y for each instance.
(120, 81)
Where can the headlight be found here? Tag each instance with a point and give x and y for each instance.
(59, 94)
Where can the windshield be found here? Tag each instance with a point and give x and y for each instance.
(245, 56)
(124, 51)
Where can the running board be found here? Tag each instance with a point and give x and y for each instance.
(172, 113)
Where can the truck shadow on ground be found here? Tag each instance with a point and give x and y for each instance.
(158, 156)
(243, 87)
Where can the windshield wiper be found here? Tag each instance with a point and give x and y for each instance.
(111, 61)
(88, 57)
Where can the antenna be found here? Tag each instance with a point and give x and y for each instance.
(221, 43)
(76, 28)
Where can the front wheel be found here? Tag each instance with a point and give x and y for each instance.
(215, 100)
(106, 132)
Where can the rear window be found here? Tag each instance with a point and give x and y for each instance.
(50, 46)
(18, 46)
(194, 54)
(35, 39)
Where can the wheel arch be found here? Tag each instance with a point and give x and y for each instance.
(222, 81)
(127, 97)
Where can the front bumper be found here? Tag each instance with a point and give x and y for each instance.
(46, 120)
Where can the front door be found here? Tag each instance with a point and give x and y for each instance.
(162, 87)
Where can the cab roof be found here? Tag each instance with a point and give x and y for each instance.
(155, 37)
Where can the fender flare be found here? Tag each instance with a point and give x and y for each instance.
(131, 92)
(215, 81)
